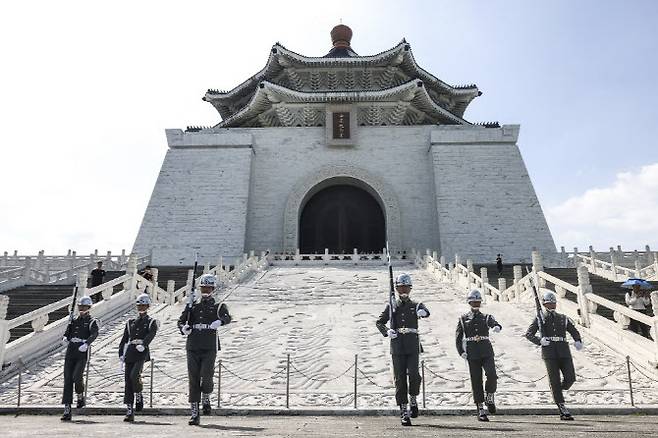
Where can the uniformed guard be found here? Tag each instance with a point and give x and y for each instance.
(473, 345)
(79, 335)
(133, 352)
(199, 322)
(555, 349)
(405, 346)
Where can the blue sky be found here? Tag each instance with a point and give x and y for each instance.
(91, 88)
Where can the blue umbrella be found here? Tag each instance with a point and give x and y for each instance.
(628, 284)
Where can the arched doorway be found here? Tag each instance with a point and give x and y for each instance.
(341, 218)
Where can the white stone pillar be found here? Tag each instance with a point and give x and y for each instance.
(5, 260)
(131, 269)
(73, 259)
(171, 288)
(537, 262)
(206, 267)
(82, 283)
(27, 268)
(613, 262)
(122, 260)
(518, 275)
(654, 303)
(485, 279)
(502, 285)
(584, 288)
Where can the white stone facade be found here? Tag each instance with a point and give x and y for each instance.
(455, 189)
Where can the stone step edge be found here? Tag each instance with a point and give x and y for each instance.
(184, 411)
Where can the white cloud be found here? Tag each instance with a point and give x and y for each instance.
(625, 213)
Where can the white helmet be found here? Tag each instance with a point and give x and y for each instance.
(549, 297)
(85, 301)
(143, 299)
(403, 280)
(207, 280)
(474, 295)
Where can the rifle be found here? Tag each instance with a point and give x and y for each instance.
(540, 315)
(190, 301)
(391, 293)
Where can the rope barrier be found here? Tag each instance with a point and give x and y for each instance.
(638, 369)
(517, 380)
(320, 380)
(370, 380)
(616, 370)
(445, 378)
(253, 380)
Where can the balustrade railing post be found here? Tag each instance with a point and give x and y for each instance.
(613, 262)
(584, 288)
(288, 382)
(356, 367)
(4, 327)
(630, 382)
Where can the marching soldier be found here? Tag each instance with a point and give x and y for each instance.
(199, 322)
(474, 346)
(555, 349)
(78, 336)
(133, 352)
(405, 346)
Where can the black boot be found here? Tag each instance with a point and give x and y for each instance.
(482, 414)
(564, 412)
(130, 414)
(206, 404)
(404, 416)
(491, 403)
(81, 401)
(139, 402)
(194, 420)
(413, 406)
(67, 413)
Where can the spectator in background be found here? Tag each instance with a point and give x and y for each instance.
(97, 275)
(148, 275)
(499, 264)
(638, 300)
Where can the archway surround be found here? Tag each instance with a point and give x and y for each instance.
(341, 174)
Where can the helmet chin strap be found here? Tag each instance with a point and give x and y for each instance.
(404, 296)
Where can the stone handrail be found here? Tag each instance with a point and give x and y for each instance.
(628, 259)
(614, 272)
(327, 258)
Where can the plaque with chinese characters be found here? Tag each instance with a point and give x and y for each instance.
(341, 125)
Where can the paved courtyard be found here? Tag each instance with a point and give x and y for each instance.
(286, 426)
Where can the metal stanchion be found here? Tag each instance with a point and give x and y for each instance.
(288, 382)
(87, 371)
(422, 376)
(219, 385)
(630, 383)
(151, 385)
(356, 362)
(20, 382)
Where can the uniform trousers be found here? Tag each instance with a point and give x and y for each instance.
(554, 367)
(133, 381)
(405, 365)
(475, 367)
(200, 370)
(74, 368)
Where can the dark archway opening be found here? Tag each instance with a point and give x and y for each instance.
(341, 218)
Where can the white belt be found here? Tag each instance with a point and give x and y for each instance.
(556, 339)
(478, 338)
(202, 327)
(78, 340)
(405, 330)
(137, 341)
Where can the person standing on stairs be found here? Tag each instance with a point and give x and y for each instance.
(133, 352)
(79, 335)
(499, 264)
(405, 346)
(555, 349)
(638, 300)
(97, 277)
(199, 322)
(472, 338)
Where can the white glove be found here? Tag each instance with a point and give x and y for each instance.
(392, 334)
(544, 342)
(497, 329)
(464, 356)
(216, 323)
(186, 329)
(122, 359)
(140, 348)
(578, 345)
(421, 313)
(65, 341)
(83, 348)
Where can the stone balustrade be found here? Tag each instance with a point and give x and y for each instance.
(614, 271)
(627, 259)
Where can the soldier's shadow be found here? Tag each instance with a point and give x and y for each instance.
(151, 423)
(458, 427)
(85, 422)
(236, 428)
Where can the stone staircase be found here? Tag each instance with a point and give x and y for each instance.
(176, 273)
(507, 274)
(25, 299)
(607, 289)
